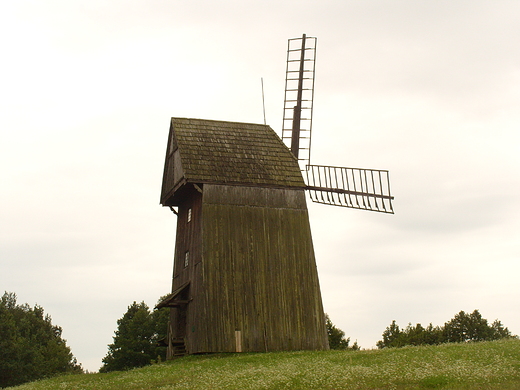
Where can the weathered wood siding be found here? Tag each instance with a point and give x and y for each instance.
(188, 239)
(260, 289)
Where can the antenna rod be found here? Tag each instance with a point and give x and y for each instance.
(297, 113)
(263, 100)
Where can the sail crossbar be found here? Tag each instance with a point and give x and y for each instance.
(358, 188)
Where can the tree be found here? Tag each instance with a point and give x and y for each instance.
(472, 327)
(392, 337)
(433, 335)
(136, 339)
(337, 336)
(31, 346)
(160, 319)
(499, 331)
(463, 327)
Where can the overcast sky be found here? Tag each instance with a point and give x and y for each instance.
(429, 90)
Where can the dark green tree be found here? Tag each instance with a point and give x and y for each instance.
(472, 327)
(463, 327)
(392, 337)
(136, 339)
(160, 319)
(31, 347)
(337, 338)
(498, 331)
(433, 335)
(414, 335)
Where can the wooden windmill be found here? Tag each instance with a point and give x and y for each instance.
(245, 277)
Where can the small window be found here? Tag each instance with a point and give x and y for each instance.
(186, 258)
(189, 215)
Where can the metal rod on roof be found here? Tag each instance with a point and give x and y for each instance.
(263, 100)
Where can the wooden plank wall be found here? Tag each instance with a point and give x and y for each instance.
(259, 277)
(188, 238)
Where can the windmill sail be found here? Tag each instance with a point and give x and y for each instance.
(299, 96)
(358, 188)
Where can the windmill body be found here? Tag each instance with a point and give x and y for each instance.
(245, 275)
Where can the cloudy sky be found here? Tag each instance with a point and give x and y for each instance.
(428, 90)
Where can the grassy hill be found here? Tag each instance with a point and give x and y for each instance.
(486, 365)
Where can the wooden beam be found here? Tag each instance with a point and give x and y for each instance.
(342, 191)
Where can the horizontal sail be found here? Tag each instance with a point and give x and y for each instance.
(358, 188)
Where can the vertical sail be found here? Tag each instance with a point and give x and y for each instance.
(299, 97)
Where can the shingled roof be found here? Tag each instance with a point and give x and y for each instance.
(228, 153)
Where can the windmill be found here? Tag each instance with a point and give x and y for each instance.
(245, 277)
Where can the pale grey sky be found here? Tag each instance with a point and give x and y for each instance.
(429, 90)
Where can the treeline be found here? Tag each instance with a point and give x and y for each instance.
(461, 328)
(31, 347)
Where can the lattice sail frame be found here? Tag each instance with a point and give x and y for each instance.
(358, 188)
(299, 97)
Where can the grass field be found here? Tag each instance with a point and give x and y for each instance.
(486, 365)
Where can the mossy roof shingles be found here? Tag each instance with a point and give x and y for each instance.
(234, 153)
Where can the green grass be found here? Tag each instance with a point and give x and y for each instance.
(486, 365)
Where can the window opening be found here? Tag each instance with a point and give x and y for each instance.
(186, 258)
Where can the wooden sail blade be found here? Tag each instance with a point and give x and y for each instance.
(299, 96)
(358, 188)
